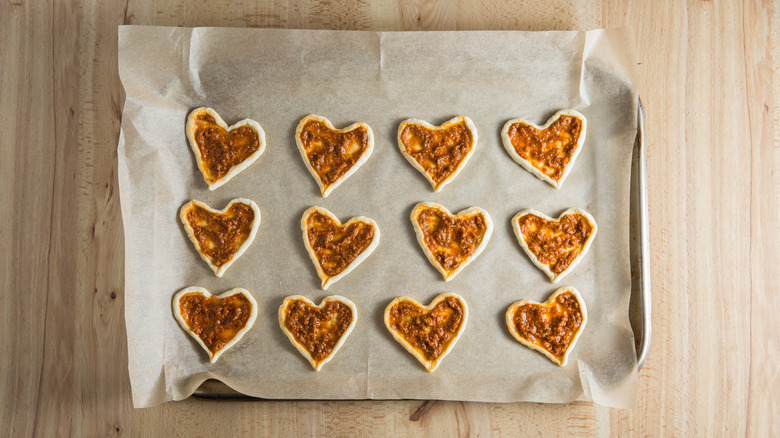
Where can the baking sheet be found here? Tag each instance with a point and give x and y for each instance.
(278, 76)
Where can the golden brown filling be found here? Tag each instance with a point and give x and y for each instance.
(555, 243)
(220, 236)
(318, 330)
(548, 150)
(438, 151)
(336, 246)
(428, 332)
(221, 150)
(332, 153)
(215, 321)
(552, 328)
(451, 240)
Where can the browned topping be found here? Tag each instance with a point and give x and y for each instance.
(220, 236)
(336, 246)
(451, 240)
(318, 330)
(438, 151)
(221, 150)
(555, 243)
(552, 328)
(215, 321)
(428, 332)
(548, 150)
(332, 153)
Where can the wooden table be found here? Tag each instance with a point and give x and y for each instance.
(707, 85)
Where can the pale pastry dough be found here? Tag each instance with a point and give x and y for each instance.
(220, 270)
(430, 363)
(583, 247)
(325, 188)
(317, 363)
(551, 306)
(450, 273)
(213, 356)
(437, 186)
(533, 166)
(327, 280)
(191, 128)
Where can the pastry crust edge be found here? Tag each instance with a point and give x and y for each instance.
(220, 270)
(554, 278)
(513, 330)
(449, 275)
(363, 158)
(527, 164)
(203, 291)
(429, 365)
(327, 280)
(331, 298)
(457, 119)
(238, 168)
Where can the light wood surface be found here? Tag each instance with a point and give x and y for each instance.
(708, 85)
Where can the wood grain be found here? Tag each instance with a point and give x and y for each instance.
(708, 82)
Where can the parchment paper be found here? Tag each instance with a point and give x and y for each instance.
(276, 77)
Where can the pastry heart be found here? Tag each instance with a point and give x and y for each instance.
(337, 249)
(216, 322)
(552, 327)
(221, 151)
(332, 155)
(317, 331)
(555, 246)
(439, 152)
(220, 237)
(451, 241)
(428, 332)
(547, 151)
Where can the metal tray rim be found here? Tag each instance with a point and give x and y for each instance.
(644, 241)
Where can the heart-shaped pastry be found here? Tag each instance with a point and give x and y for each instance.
(331, 154)
(428, 332)
(337, 249)
(220, 237)
(547, 151)
(221, 151)
(552, 327)
(317, 331)
(216, 322)
(555, 246)
(451, 241)
(439, 152)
